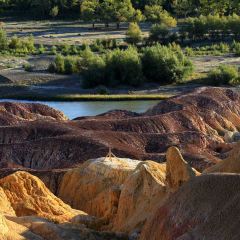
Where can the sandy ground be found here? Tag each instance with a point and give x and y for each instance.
(205, 63)
(71, 32)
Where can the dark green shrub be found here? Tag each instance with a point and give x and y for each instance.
(93, 72)
(28, 67)
(189, 51)
(84, 46)
(107, 43)
(3, 40)
(65, 49)
(158, 32)
(22, 45)
(29, 44)
(212, 26)
(102, 90)
(59, 62)
(70, 65)
(124, 67)
(41, 49)
(15, 43)
(73, 50)
(52, 68)
(53, 50)
(134, 33)
(114, 43)
(236, 48)
(54, 11)
(97, 46)
(165, 65)
(224, 74)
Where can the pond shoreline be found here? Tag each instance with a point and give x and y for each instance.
(77, 109)
(89, 97)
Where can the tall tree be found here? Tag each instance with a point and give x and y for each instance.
(116, 11)
(183, 7)
(156, 14)
(90, 11)
(123, 11)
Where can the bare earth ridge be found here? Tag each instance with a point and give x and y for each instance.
(43, 138)
(184, 183)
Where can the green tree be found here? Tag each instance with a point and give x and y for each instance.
(41, 7)
(123, 11)
(137, 16)
(158, 32)
(124, 67)
(156, 14)
(90, 11)
(54, 12)
(183, 7)
(107, 11)
(165, 65)
(116, 11)
(140, 4)
(134, 33)
(214, 7)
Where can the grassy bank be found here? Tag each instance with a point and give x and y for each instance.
(90, 97)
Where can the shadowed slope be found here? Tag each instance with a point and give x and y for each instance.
(204, 208)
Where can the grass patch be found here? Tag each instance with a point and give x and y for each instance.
(90, 97)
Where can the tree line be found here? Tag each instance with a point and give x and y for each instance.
(212, 27)
(135, 8)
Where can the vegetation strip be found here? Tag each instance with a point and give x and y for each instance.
(92, 97)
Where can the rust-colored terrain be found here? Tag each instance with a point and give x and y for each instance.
(37, 137)
(55, 182)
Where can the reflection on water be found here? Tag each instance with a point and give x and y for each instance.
(80, 109)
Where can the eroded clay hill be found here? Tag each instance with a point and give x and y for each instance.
(200, 123)
(124, 193)
(118, 194)
(207, 207)
(29, 211)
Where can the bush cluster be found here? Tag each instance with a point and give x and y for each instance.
(214, 49)
(165, 64)
(212, 27)
(224, 75)
(160, 64)
(16, 45)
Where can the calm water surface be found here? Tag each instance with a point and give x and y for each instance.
(80, 109)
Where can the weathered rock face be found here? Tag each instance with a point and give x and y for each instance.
(178, 170)
(141, 194)
(29, 196)
(29, 211)
(204, 208)
(94, 187)
(51, 178)
(5, 206)
(123, 193)
(38, 137)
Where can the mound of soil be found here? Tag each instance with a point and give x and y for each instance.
(38, 137)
